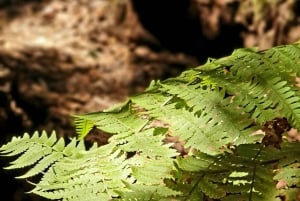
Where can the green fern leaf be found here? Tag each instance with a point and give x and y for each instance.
(83, 124)
(244, 175)
(146, 192)
(33, 150)
(32, 154)
(214, 109)
(210, 189)
(288, 171)
(96, 172)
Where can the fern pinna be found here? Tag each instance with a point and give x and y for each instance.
(231, 114)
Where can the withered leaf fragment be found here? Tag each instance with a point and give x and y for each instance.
(273, 131)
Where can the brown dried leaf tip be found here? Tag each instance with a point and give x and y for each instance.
(273, 131)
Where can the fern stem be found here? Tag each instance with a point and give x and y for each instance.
(201, 177)
(143, 126)
(254, 173)
(168, 100)
(194, 187)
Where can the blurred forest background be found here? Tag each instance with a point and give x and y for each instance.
(63, 57)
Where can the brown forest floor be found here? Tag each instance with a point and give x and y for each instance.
(66, 57)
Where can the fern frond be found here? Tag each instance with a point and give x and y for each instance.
(84, 124)
(98, 176)
(95, 172)
(147, 192)
(195, 119)
(124, 121)
(286, 57)
(288, 172)
(70, 171)
(244, 175)
(36, 150)
(214, 109)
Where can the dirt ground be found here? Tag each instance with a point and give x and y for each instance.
(62, 57)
